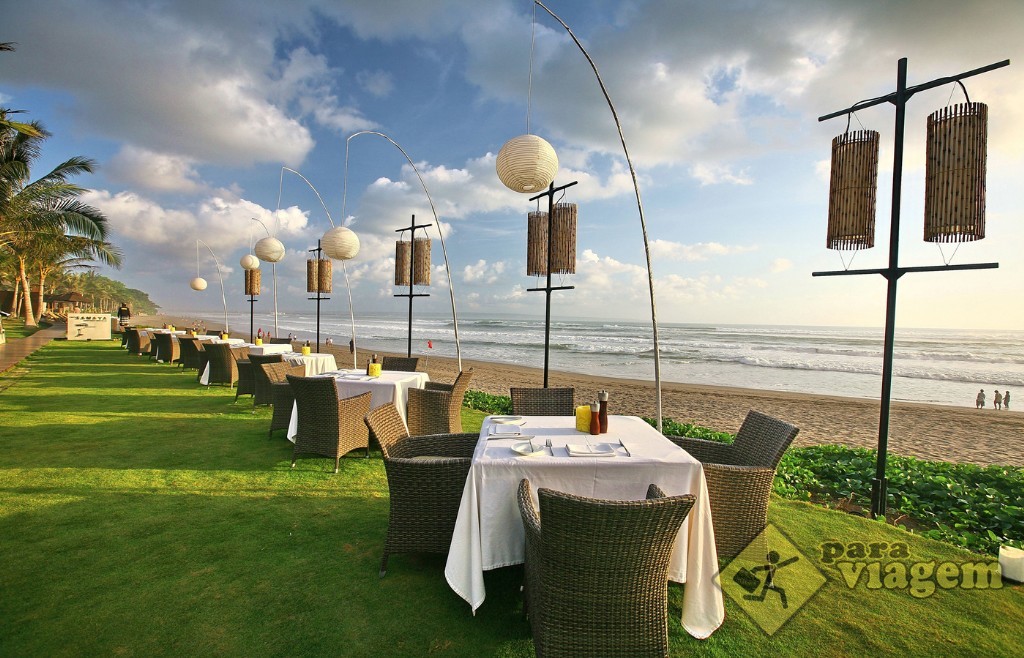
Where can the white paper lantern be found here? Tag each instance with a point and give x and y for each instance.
(526, 164)
(340, 243)
(270, 250)
(249, 262)
(198, 283)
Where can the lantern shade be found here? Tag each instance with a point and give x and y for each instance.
(526, 164)
(198, 283)
(249, 262)
(563, 241)
(269, 250)
(421, 268)
(252, 282)
(421, 261)
(340, 243)
(954, 191)
(852, 190)
(403, 254)
(324, 274)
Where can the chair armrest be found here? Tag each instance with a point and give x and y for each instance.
(528, 510)
(453, 446)
(705, 451)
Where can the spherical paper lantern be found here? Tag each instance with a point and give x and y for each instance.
(340, 243)
(270, 250)
(249, 262)
(526, 164)
(198, 283)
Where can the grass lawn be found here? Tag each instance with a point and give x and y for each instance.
(141, 514)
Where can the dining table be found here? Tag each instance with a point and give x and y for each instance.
(270, 348)
(390, 386)
(617, 465)
(315, 363)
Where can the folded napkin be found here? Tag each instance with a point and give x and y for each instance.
(504, 429)
(591, 450)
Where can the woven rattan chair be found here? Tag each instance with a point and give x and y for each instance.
(437, 409)
(543, 401)
(328, 426)
(597, 571)
(167, 350)
(400, 363)
(426, 476)
(281, 395)
(246, 378)
(262, 395)
(190, 349)
(137, 343)
(223, 369)
(214, 332)
(281, 341)
(739, 477)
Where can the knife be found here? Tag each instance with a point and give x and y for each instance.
(625, 448)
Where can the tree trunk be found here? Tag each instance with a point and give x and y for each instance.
(30, 317)
(42, 296)
(14, 298)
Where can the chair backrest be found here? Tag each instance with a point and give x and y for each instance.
(317, 402)
(277, 372)
(213, 332)
(387, 425)
(543, 401)
(222, 363)
(280, 341)
(168, 349)
(762, 440)
(260, 359)
(133, 340)
(602, 561)
(400, 363)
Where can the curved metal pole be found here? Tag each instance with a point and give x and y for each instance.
(639, 205)
(220, 276)
(273, 267)
(437, 224)
(351, 312)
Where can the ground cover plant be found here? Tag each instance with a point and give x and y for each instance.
(141, 514)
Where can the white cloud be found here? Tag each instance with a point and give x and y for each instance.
(677, 251)
(157, 172)
(781, 265)
(714, 174)
(482, 272)
(378, 83)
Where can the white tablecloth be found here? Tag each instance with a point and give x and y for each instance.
(316, 364)
(270, 348)
(391, 386)
(489, 530)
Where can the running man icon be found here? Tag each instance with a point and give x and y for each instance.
(770, 568)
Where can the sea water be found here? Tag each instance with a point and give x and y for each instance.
(936, 366)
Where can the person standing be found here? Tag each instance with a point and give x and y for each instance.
(1006, 399)
(997, 400)
(124, 314)
(979, 401)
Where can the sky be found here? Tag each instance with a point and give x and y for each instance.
(192, 110)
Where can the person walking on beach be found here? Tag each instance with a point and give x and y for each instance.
(124, 314)
(979, 401)
(1006, 399)
(997, 400)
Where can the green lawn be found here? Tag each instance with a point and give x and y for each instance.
(141, 514)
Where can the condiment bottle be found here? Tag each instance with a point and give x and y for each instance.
(595, 418)
(602, 398)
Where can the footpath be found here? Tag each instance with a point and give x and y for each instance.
(13, 351)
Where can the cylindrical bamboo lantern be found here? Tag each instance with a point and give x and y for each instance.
(324, 275)
(403, 254)
(852, 190)
(537, 243)
(312, 265)
(954, 188)
(252, 282)
(563, 239)
(421, 264)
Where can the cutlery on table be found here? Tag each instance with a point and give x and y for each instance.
(550, 449)
(625, 448)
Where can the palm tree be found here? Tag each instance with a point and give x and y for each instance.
(49, 205)
(53, 252)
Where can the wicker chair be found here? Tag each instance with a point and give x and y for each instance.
(739, 477)
(137, 343)
(597, 571)
(328, 426)
(400, 363)
(437, 409)
(543, 401)
(190, 350)
(426, 476)
(246, 378)
(223, 369)
(167, 350)
(262, 395)
(281, 395)
(280, 341)
(214, 332)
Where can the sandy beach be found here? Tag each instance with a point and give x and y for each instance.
(935, 432)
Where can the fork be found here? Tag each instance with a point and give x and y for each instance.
(550, 449)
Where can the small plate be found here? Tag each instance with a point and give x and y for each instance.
(511, 420)
(525, 450)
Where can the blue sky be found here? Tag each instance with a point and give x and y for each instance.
(192, 108)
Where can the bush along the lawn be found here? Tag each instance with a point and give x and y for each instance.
(492, 404)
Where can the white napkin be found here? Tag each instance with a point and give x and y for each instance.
(589, 450)
(504, 429)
